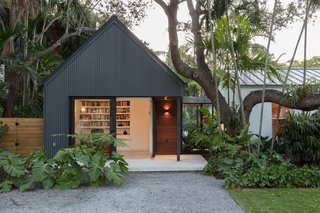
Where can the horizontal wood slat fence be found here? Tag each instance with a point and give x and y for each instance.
(25, 135)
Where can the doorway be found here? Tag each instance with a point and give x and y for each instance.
(166, 126)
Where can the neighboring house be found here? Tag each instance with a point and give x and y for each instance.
(254, 81)
(114, 84)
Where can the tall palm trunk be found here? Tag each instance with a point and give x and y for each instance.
(284, 86)
(214, 64)
(13, 77)
(265, 72)
(243, 118)
(26, 77)
(305, 45)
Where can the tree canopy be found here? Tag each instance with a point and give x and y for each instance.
(37, 35)
(232, 38)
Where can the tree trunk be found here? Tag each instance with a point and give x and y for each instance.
(305, 45)
(9, 51)
(306, 103)
(13, 91)
(265, 73)
(214, 65)
(244, 121)
(26, 78)
(202, 75)
(284, 86)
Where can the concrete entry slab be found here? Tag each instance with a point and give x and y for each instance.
(165, 163)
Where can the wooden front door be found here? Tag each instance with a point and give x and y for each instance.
(166, 126)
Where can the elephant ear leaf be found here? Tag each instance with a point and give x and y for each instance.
(42, 170)
(62, 156)
(68, 180)
(114, 174)
(13, 165)
(118, 159)
(96, 166)
(27, 185)
(5, 186)
(48, 183)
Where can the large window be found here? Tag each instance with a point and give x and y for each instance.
(93, 116)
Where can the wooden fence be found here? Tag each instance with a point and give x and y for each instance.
(24, 135)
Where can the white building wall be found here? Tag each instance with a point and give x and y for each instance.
(254, 119)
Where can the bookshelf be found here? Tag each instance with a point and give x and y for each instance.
(94, 116)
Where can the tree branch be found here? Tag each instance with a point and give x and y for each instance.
(202, 74)
(45, 28)
(65, 36)
(33, 59)
(307, 103)
(162, 4)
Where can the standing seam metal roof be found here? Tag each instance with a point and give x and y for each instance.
(295, 77)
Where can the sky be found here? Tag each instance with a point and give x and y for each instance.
(153, 30)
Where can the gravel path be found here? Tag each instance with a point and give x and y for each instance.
(142, 192)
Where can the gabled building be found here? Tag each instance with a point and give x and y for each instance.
(114, 84)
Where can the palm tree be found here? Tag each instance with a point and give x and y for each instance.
(214, 62)
(315, 3)
(265, 72)
(235, 66)
(305, 43)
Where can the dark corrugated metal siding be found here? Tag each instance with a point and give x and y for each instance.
(112, 63)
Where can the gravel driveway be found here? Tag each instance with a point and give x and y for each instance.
(142, 192)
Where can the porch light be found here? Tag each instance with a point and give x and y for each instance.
(166, 107)
(82, 109)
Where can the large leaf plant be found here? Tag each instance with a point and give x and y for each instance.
(82, 164)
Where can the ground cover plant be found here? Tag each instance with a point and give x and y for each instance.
(277, 200)
(235, 157)
(86, 163)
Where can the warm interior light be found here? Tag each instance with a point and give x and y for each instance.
(166, 107)
(82, 109)
(165, 98)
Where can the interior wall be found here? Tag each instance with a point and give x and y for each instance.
(76, 116)
(140, 131)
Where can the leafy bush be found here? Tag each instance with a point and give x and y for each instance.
(234, 159)
(301, 132)
(294, 93)
(71, 167)
(197, 137)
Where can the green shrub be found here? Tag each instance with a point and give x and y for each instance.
(71, 167)
(301, 133)
(235, 160)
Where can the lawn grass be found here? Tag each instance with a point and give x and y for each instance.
(277, 200)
